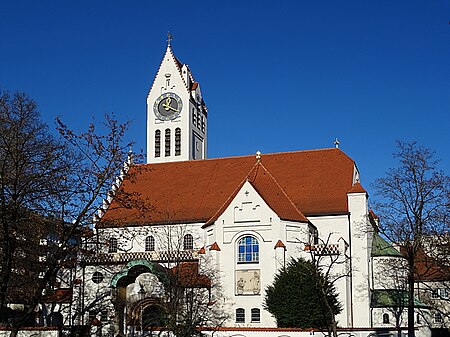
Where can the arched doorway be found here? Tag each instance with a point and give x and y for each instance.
(147, 315)
(136, 292)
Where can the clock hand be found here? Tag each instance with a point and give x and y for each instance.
(170, 108)
(167, 104)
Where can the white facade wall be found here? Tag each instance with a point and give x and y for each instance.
(193, 136)
(360, 250)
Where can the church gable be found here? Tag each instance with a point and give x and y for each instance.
(247, 207)
(169, 75)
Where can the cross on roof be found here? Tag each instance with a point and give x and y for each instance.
(169, 38)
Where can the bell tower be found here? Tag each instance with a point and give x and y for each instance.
(176, 113)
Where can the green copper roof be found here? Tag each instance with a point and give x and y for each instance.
(392, 298)
(149, 266)
(380, 247)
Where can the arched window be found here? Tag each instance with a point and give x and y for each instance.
(167, 143)
(112, 245)
(177, 141)
(149, 244)
(385, 318)
(256, 315)
(248, 249)
(240, 315)
(188, 242)
(194, 117)
(437, 318)
(157, 143)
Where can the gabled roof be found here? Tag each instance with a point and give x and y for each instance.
(429, 269)
(313, 182)
(272, 193)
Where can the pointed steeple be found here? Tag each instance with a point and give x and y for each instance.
(176, 113)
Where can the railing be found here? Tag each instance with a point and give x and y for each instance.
(329, 249)
(157, 256)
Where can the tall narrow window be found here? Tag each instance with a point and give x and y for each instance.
(199, 121)
(157, 143)
(435, 293)
(248, 249)
(256, 315)
(112, 245)
(240, 315)
(437, 317)
(177, 141)
(203, 123)
(385, 318)
(194, 117)
(188, 242)
(149, 244)
(167, 143)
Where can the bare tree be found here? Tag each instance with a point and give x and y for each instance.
(50, 188)
(332, 261)
(413, 205)
(173, 285)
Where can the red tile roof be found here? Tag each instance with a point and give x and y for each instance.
(62, 295)
(272, 193)
(188, 275)
(294, 183)
(215, 246)
(357, 188)
(429, 269)
(280, 244)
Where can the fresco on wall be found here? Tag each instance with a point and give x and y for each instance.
(248, 282)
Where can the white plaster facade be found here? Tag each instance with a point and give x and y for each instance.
(191, 119)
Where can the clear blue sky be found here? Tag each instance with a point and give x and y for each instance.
(276, 75)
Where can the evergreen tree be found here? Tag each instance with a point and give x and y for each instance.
(300, 297)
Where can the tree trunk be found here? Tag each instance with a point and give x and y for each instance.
(5, 274)
(411, 302)
(14, 332)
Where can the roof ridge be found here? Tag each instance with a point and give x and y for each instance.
(282, 189)
(225, 204)
(249, 156)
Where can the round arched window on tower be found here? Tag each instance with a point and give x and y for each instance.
(97, 277)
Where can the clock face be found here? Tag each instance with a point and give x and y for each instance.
(167, 106)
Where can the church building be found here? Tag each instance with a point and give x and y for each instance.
(237, 219)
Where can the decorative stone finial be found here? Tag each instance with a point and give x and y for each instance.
(336, 143)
